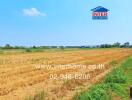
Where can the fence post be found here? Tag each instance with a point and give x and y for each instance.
(131, 93)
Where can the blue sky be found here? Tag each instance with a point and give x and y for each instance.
(63, 22)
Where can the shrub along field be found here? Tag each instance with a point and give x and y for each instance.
(114, 87)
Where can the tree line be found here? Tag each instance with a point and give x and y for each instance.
(114, 45)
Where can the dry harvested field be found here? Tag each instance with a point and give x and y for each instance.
(21, 77)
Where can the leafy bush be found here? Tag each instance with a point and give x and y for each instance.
(98, 92)
(117, 76)
(102, 91)
(127, 64)
(116, 88)
(28, 50)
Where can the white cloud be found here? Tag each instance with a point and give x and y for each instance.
(33, 12)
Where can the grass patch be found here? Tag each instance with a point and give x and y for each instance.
(114, 87)
(28, 50)
(1, 52)
(39, 96)
(34, 50)
(113, 63)
(116, 76)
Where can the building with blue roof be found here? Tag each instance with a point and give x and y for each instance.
(100, 13)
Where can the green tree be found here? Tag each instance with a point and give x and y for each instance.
(8, 46)
(117, 44)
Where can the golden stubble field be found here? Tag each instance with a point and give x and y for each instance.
(20, 78)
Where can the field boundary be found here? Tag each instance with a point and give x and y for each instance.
(114, 86)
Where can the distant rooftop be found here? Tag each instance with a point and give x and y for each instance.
(100, 9)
